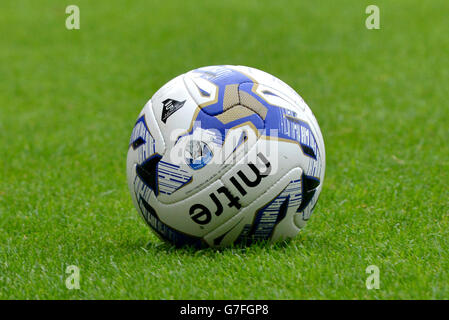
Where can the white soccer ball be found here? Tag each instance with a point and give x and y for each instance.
(225, 155)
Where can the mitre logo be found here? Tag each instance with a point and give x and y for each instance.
(170, 106)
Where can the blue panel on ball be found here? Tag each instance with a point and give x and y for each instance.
(279, 122)
(171, 177)
(142, 141)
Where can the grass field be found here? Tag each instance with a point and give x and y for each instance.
(69, 99)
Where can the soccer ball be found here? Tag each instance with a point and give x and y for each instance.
(225, 155)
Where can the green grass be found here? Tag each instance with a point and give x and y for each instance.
(68, 100)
